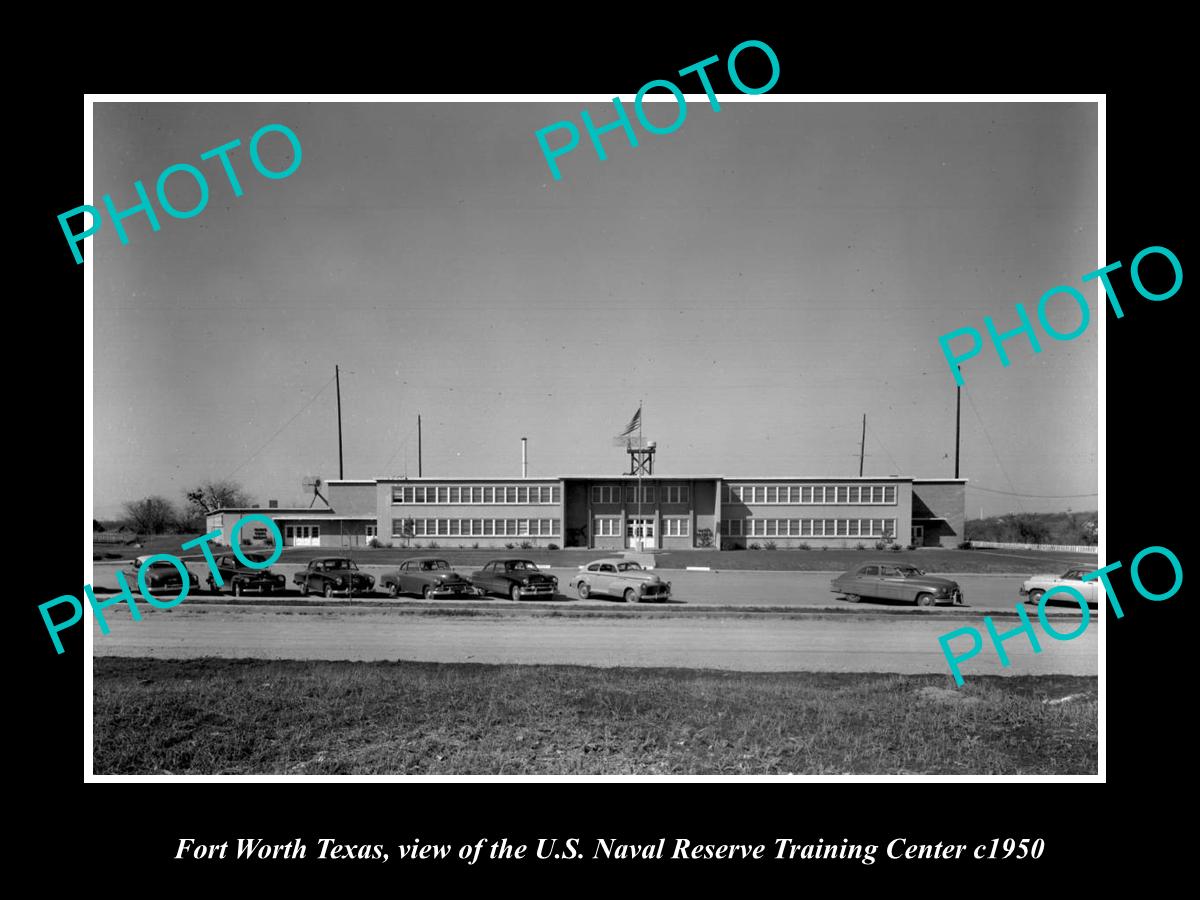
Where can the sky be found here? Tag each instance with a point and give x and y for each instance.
(758, 280)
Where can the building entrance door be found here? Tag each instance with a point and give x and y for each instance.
(639, 533)
(918, 535)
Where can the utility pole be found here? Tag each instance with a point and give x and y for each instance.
(957, 425)
(338, 378)
(418, 445)
(862, 448)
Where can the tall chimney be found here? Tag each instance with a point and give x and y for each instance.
(524, 458)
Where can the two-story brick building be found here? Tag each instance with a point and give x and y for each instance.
(608, 513)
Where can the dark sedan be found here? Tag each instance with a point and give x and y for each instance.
(239, 578)
(428, 577)
(161, 575)
(891, 581)
(515, 578)
(333, 575)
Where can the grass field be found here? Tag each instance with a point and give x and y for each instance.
(308, 718)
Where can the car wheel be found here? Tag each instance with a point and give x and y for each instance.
(515, 592)
(1035, 597)
(924, 599)
(585, 590)
(425, 591)
(393, 590)
(328, 590)
(237, 589)
(304, 588)
(631, 595)
(852, 598)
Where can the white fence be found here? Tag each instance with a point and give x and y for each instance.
(1053, 548)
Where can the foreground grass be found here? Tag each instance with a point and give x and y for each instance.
(291, 717)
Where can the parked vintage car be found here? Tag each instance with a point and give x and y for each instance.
(428, 577)
(239, 578)
(516, 578)
(1036, 585)
(331, 575)
(620, 578)
(161, 576)
(896, 581)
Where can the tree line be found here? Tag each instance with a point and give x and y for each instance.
(1036, 528)
(158, 515)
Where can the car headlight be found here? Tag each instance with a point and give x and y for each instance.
(340, 581)
(525, 580)
(370, 580)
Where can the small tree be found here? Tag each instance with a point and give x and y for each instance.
(214, 495)
(150, 515)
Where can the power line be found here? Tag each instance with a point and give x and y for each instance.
(1035, 496)
(1003, 471)
(879, 440)
(311, 401)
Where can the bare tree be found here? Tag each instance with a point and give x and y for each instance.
(214, 495)
(150, 515)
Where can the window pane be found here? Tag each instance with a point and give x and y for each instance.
(806, 528)
(853, 531)
(841, 527)
(889, 494)
(806, 494)
(510, 494)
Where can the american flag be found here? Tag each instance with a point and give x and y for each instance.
(634, 424)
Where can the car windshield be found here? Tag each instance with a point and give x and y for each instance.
(430, 564)
(340, 564)
(1074, 574)
(521, 565)
(628, 567)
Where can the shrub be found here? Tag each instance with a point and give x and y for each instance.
(548, 546)
(860, 546)
(965, 545)
(526, 545)
(704, 537)
(374, 543)
(911, 547)
(755, 547)
(418, 545)
(804, 546)
(881, 545)
(433, 545)
(510, 546)
(769, 545)
(895, 548)
(475, 546)
(824, 548)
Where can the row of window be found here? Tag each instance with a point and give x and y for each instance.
(672, 526)
(809, 527)
(476, 527)
(812, 493)
(476, 493)
(611, 493)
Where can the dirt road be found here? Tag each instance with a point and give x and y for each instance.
(843, 643)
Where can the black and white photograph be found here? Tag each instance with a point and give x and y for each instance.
(528, 437)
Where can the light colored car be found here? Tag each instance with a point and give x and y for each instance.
(620, 578)
(1036, 585)
(896, 581)
(428, 577)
